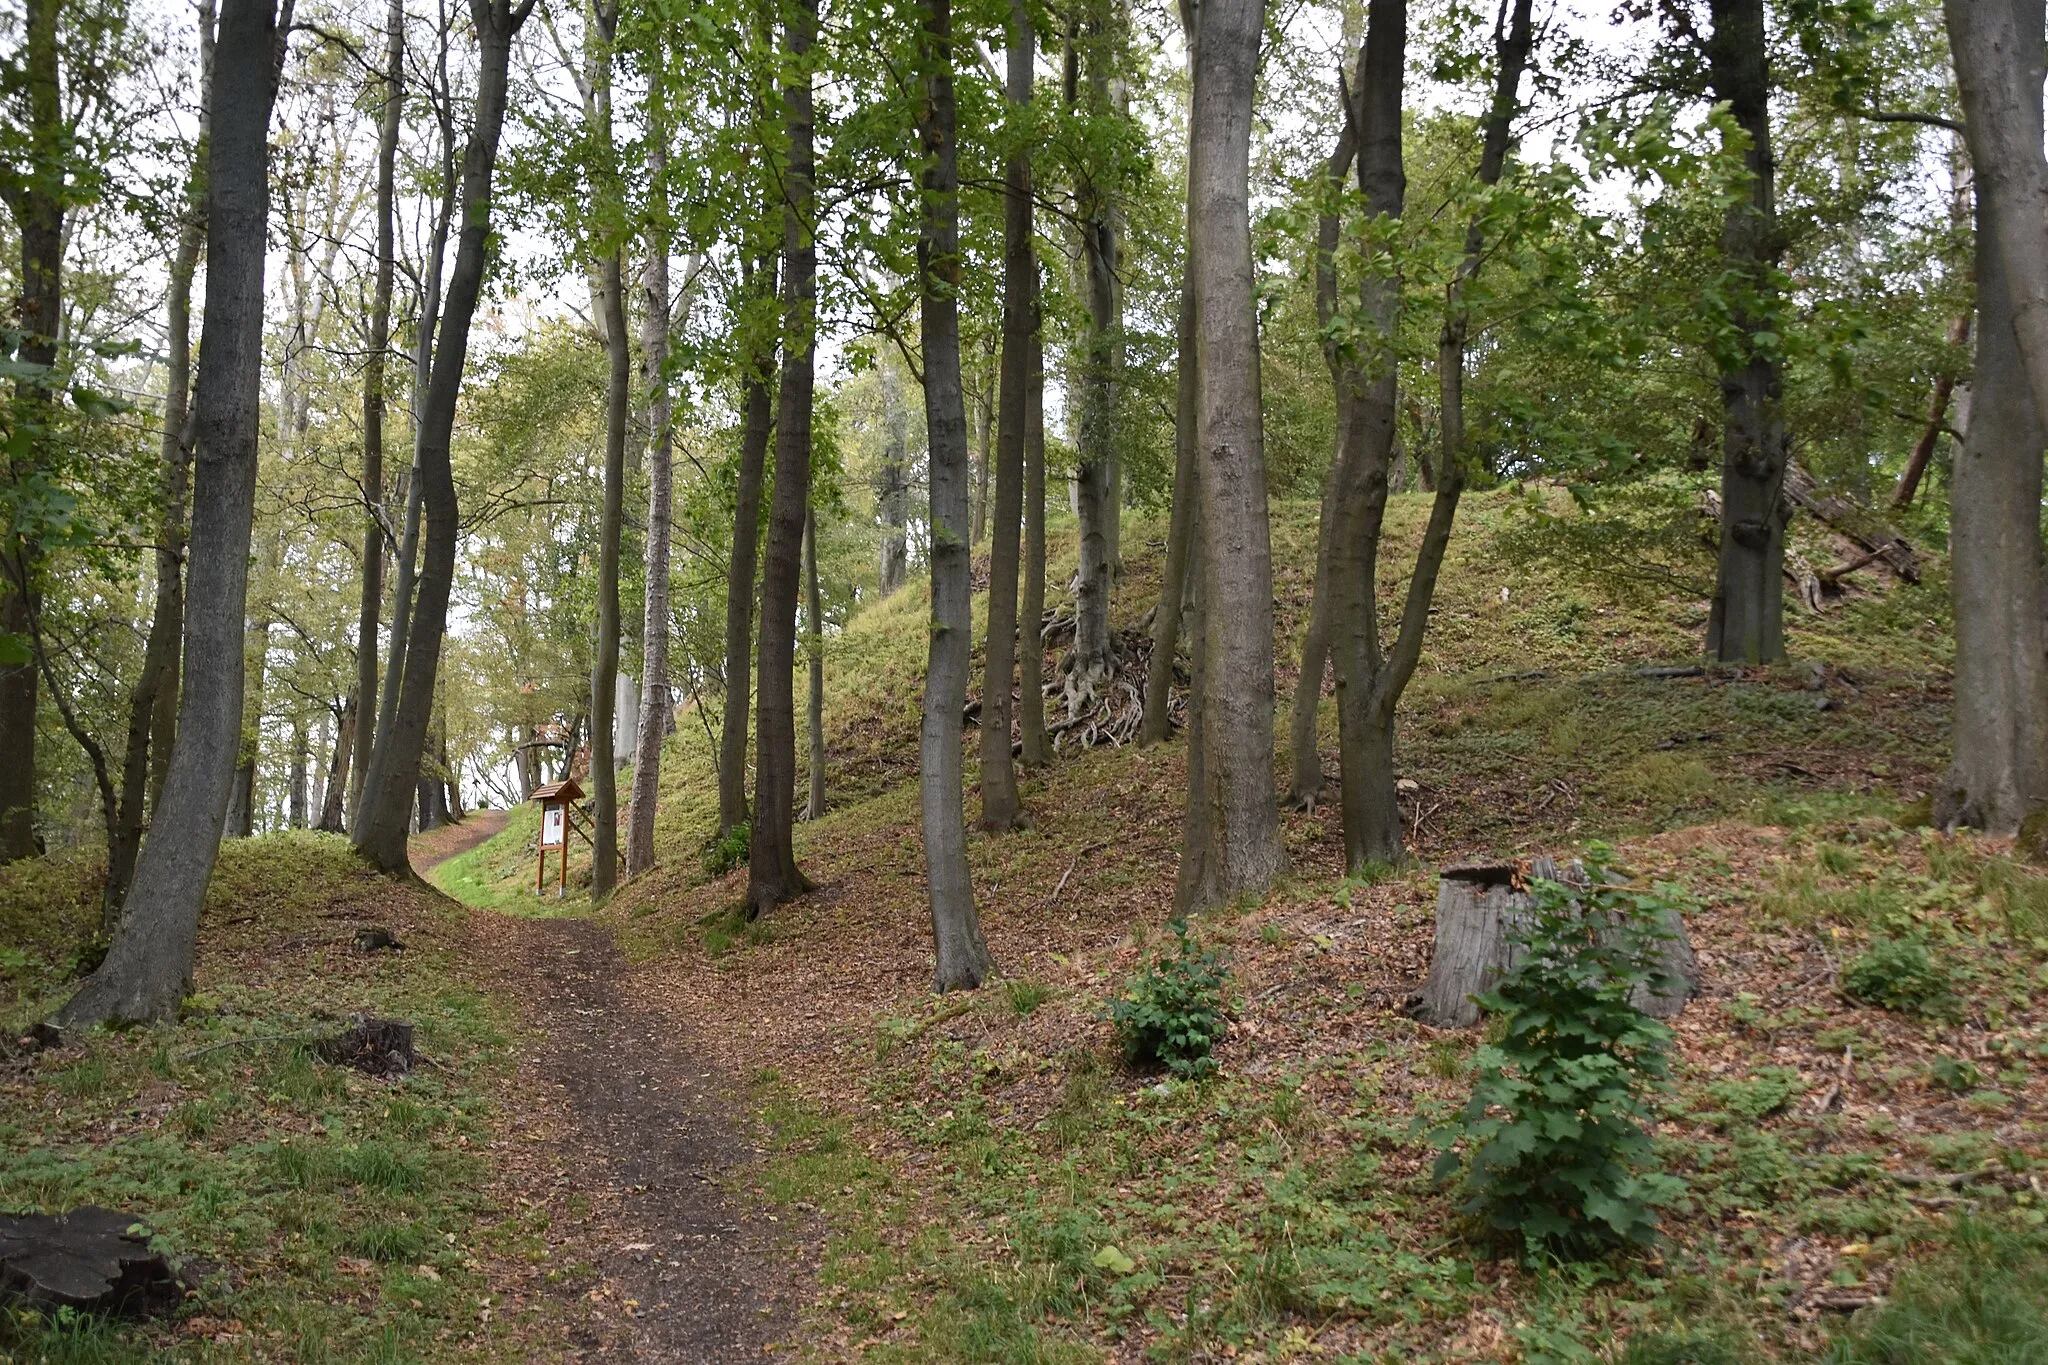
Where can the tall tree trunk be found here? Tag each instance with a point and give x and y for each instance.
(985, 450)
(1157, 721)
(295, 811)
(772, 874)
(149, 965)
(1094, 656)
(1999, 773)
(1306, 786)
(152, 706)
(655, 707)
(1031, 598)
(604, 768)
(36, 198)
(963, 961)
(1746, 623)
(1000, 809)
(814, 653)
(893, 493)
(335, 803)
(388, 790)
(376, 346)
(739, 592)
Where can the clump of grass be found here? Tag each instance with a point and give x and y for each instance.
(1981, 1301)
(1025, 996)
(1081, 1099)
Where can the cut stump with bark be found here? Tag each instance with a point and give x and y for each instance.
(1482, 908)
(379, 1047)
(92, 1258)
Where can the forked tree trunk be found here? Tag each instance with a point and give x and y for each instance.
(1481, 913)
(1000, 808)
(604, 677)
(963, 961)
(149, 964)
(152, 706)
(1156, 724)
(376, 345)
(387, 792)
(655, 710)
(1746, 622)
(814, 654)
(739, 590)
(1033, 751)
(1999, 772)
(1937, 422)
(1243, 853)
(772, 874)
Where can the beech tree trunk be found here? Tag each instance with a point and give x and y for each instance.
(155, 694)
(655, 709)
(1306, 786)
(387, 792)
(892, 495)
(376, 347)
(1167, 626)
(985, 418)
(1031, 596)
(814, 652)
(335, 800)
(1937, 422)
(149, 965)
(36, 201)
(604, 766)
(1000, 807)
(772, 874)
(739, 590)
(1094, 657)
(1998, 776)
(1746, 623)
(963, 961)
(1243, 853)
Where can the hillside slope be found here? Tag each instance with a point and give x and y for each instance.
(991, 1183)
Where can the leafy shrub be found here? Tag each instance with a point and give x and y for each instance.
(1552, 1141)
(1900, 974)
(1172, 1013)
(723, 853)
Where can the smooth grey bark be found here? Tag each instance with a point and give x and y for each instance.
(985, 448)
(1000, 807)
(655, 706)
(1101, 364)
(604, 767)
(892, 492)
(387, 792)
(149, 965)
(1998, 775)
(301, 761)
(772, 873)
(376, 346)
(1746, 622)
(152, 705)
(1306, 785)
(814, 653)
(757, 401)
(1033, 751)
(962, 954)
(334, 803)
(1157, 722)
(1243, 853)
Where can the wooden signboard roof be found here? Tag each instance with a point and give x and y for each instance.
(565, 790)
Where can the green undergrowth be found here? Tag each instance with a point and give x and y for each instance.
(324, 1215)
(498, 874)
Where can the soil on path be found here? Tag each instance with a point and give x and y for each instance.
(437, 846)
(626, 1139)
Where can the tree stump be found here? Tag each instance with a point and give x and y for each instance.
(85, 1259)
(380, 1047)
(1480, 912)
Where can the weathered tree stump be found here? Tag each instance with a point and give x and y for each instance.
(1480, 911)
(377, 939)
(380, 1047)
(85, 1259)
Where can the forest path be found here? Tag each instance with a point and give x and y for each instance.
(626, 1138)
(437, 846)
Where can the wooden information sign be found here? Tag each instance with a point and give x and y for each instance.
(557, 818)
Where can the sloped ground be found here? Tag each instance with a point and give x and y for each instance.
(998, 1186)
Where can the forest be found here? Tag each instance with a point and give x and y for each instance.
(1050, 681)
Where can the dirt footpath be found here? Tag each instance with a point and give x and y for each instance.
(628, 1141)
